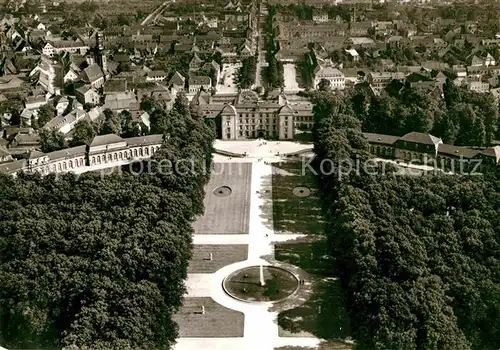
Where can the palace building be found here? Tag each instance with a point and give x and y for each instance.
(246, 116)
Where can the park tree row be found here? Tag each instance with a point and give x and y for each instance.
(94, 262)
(418, 257)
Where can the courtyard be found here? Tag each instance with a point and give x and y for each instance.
(290, 77)
(227, 83)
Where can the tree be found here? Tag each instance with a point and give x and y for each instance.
(324, 85)
(111, 124)
(89, 261)
(87, 106)
(83, 133)
(52, 140)
(417, 256)
(181, 103)
(45, 114)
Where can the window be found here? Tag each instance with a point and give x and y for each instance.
(99, 159)
(140, 152)
(228, 136)
(135, 152)
(71, 164)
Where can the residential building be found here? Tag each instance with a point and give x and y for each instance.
(70, 76)
(478, 86)
(62, 105)
(57, 47)
(10, 83)
(195, 62)
(333, 75)
(199, 82)
(379, 80)
(87, 94)
(320, 16)
(50, 74)
(65, 123)
(157, 75)
(5, 156)
(119, 101)
(93, 76)
(360, 42)
(177, 81)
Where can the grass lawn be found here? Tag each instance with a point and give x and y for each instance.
(222, 255)
(226, 215)
(310, 254)
(323, 315)
(292, 214)
(217, 322)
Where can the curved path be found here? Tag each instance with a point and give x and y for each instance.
(261, 327)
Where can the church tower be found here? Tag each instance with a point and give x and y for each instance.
(101, 54)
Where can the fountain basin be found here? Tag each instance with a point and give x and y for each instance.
(245, 284)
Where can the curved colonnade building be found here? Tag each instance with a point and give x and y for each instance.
(105, 151)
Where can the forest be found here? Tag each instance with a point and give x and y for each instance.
(418, 256)
(99, 262)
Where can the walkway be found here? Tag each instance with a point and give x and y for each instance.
(153, 15)
(290, 76)
(261, 327)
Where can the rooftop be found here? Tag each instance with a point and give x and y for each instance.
(103, 140)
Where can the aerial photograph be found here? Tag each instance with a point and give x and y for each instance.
(249, 175)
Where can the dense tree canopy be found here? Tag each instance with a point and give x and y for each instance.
(418, 257)
(52, 140)
(246, 74)
(45, 114)
(463, 117)
(100, 262)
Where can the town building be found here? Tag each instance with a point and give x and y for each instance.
(57, 47)
(333, 75)
(380, 80)
(50, 74)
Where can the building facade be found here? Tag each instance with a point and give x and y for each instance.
(332, 75)
(105, 151)
(246, 116)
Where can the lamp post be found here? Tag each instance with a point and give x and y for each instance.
(262, 282)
